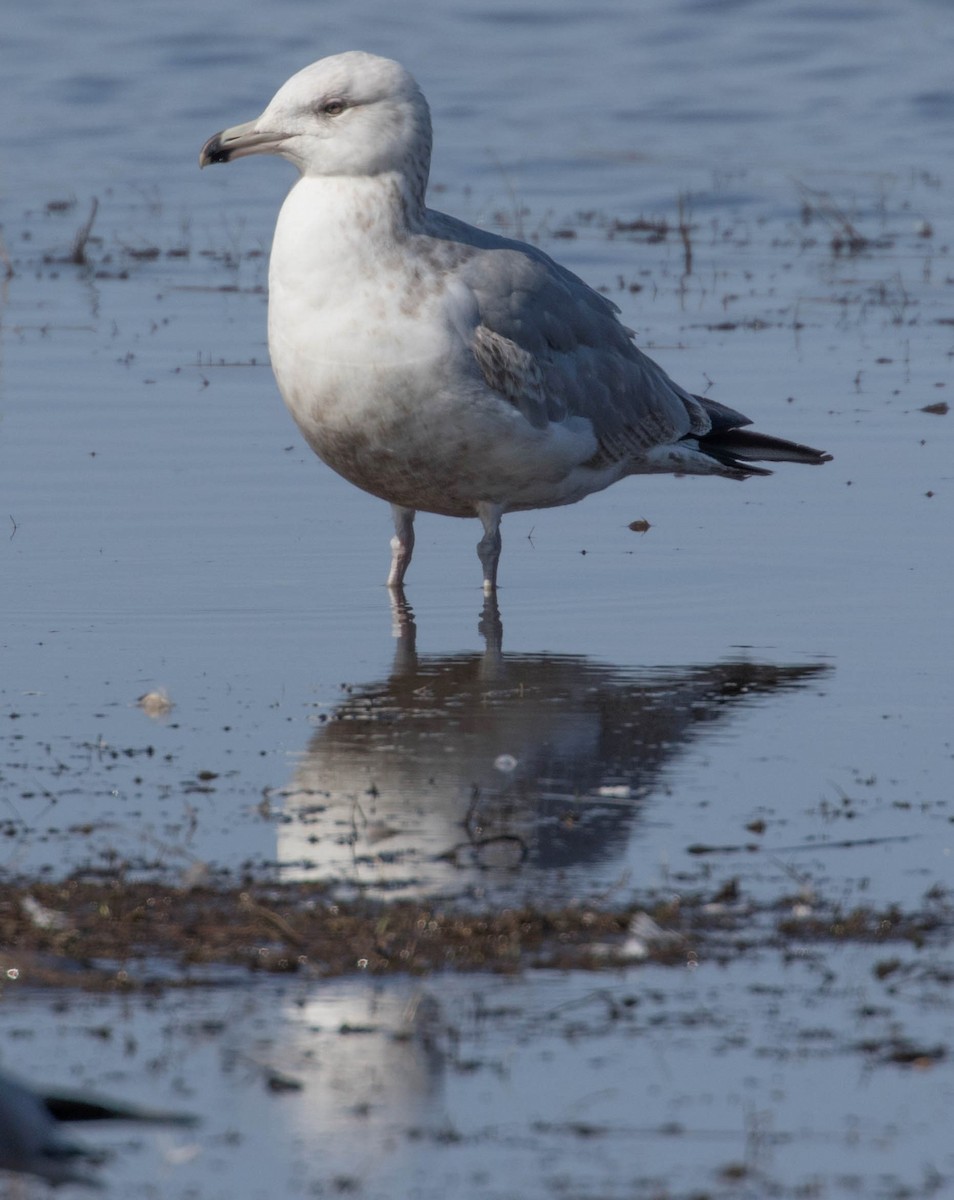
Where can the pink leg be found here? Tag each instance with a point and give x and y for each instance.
(402, 544)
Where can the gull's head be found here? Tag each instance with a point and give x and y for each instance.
(352, 114)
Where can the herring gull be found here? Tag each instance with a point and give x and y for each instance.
(439, 366)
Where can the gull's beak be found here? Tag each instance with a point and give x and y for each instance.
(239, 141)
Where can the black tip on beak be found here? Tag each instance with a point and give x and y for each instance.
(214, 152)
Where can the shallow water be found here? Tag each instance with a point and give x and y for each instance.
(765, 674)
(510, 1087)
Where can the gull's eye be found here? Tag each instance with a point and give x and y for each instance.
(333, 108)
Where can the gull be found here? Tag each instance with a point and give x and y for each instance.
(31, 1138)
(438, 366)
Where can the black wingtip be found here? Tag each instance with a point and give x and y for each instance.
(68, 1107)
(740, 447)
(736, 447)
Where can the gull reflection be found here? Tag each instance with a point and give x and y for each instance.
(477, 769)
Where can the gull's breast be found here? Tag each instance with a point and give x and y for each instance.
(383, 397)
(376, 364)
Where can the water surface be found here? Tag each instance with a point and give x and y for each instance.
(767, 666)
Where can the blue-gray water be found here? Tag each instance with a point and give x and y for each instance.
(161, 524)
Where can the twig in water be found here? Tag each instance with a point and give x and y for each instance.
(846, 237)
(78, 253)
(5, 259)
(516, 207)
(685, 233)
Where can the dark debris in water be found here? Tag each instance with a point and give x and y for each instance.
(902, 1052)
(110, 935)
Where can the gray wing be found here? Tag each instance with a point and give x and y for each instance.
(556, 349)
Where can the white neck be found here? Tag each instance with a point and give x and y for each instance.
(327, 221)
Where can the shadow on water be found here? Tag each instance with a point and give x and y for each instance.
(493, 769)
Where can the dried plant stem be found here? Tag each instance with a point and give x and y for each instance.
(78, 253)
